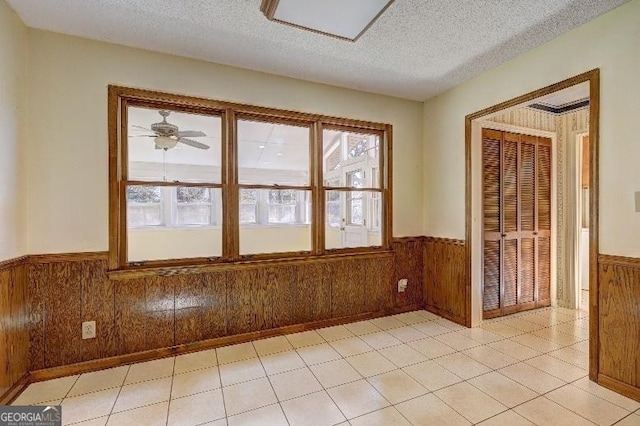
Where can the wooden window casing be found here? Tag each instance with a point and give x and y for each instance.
(120, 98)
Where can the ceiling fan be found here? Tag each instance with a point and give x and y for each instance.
(168, 135)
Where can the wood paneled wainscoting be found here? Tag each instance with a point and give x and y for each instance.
(619, 331)
(14, 332)
(157, 314)
(445, 284)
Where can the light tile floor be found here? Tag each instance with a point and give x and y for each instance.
(412, 368)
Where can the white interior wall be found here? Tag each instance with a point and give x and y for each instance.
(67, 149)
(13, 98)
(611, 43)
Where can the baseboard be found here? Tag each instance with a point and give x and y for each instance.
(619, 387)
(12, 393)
(103, 363)
(446, 315)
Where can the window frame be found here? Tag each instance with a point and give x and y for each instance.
(120, 98)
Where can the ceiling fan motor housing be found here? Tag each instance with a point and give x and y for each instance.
(163, 128)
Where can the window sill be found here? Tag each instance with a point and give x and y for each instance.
(132, 272)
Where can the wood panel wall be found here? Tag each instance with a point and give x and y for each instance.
(409, 264)
(157, 312)
(619, 305)
(14, 334)
(445, 284)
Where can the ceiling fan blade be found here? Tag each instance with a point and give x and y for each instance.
(193, 143)
(191, 134)
(135, 126)
(142, 136)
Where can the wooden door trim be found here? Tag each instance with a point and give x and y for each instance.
(593, 77)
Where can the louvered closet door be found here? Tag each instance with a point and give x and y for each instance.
(527, 219)
(543, 170)
(510, 235)
(516, 223)
(491, 160)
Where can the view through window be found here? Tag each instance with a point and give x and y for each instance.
(203, 183)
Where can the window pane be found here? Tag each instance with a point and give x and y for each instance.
(173, 223)
(173, 146)
(192, 195)
(194, 215)
(357, 145)
(144, 206)
(334, 213)
(355, 214)
(271, 153)
(276, 221)
(353, 156)
(353, 219)
(248, 206)
(196, 206)
(355, 179)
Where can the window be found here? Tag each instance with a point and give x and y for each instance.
(195, 206)
(354, 217)
(195, 181)
(283, 206)
(273, 161)
(144, 206)
(248, 206)
(333, 204)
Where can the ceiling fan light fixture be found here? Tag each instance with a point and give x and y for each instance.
(343, 19)
(163, 142)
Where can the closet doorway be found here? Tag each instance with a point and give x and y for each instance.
(541, 113)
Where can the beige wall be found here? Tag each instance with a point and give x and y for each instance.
(611, 43)
(13, 97)
(149, 244)
(67, 149)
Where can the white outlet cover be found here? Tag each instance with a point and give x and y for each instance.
(89, 330)
(402, 285)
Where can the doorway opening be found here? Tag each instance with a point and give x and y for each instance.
(582, 217)
(533, 242)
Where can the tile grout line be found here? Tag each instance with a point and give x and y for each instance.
(326, 390)
(598, 396)
(270, 384)
(118, 395)
(173, 373)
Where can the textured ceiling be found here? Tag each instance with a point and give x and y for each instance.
(415, 50)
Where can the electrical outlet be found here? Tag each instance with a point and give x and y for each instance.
(402, 285)
(89, 330)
